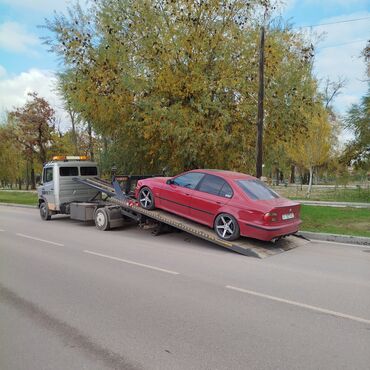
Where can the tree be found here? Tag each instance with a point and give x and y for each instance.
(357, 121)
(175, 83)
(12, 165)
(32, 127)
(312, 148)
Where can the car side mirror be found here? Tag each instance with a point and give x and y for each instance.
(170, 182)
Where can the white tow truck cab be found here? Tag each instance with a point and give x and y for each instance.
(58, 189)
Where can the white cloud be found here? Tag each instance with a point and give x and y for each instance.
(14, 90)
(2, 71)
(14, 37)
(44, 6)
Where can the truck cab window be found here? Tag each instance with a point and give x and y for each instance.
(89, 171)
(48, 174)
(68, 171)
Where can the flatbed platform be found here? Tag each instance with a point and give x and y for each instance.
(245, 246)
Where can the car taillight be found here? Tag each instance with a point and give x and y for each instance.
(270, 217)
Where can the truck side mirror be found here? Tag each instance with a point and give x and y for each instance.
(38, 179)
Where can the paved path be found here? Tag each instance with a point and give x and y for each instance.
(334, 204)
(73, 297)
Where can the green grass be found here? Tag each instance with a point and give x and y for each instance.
(346, 221)
(18, 197)
(361, 195)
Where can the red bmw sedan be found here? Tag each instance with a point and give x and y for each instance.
(231, 203)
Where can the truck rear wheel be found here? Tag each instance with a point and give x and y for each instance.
(44, 212)
(101, 219)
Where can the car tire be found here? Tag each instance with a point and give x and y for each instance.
(101, 219)
(44, 212)
(146, 198)
(226, 227)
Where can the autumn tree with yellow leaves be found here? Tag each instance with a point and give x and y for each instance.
(174, 83)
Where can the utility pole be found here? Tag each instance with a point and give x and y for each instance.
(260, 115)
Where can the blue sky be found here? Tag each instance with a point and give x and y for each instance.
(25, 64)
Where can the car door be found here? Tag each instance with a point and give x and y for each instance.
(47, 189)
(176, 194)
(211, 194)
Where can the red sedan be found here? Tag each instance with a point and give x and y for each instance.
(232, 203)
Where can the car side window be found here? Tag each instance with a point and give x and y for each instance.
(226, 191)
(215, 185)
(190, 180)
(48, 174)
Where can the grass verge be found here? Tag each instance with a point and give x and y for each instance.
(361, 195)
(18, 197)
(332, 220)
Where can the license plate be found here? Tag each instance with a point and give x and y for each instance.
(288, 216)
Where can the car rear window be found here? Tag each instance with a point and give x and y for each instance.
(68, 171)
(257, 190)
(88, 171)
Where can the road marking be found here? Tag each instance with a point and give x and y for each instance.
(132, 262)
(40, 240)
(294, 303)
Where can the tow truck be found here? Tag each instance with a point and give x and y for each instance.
(71, 185)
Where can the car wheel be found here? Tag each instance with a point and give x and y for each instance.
(101, 219)
(44, 212)
(146, 198)
(227, 227)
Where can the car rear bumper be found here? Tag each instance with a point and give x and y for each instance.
(267, 233)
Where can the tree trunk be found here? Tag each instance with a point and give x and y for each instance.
(91, 149)
(72, 116)
(259, 153)
(33, 181)
(27, 175)
(292, 174)
(310, 182)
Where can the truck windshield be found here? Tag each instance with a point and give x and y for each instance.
(257, 190)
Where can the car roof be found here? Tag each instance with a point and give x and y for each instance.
(231, 175)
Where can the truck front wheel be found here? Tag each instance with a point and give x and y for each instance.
(44, 212)
(101, 219)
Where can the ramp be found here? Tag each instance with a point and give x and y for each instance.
(245, 246)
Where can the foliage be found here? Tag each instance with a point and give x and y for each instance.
(357, 120)
(312, 148)
(174, 84)
(12, 165)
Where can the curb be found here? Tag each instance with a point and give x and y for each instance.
(17, 205)
(332, 204)
(345, 239)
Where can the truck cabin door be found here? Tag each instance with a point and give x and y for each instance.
(47, 189)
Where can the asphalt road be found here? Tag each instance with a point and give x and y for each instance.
(73, 297)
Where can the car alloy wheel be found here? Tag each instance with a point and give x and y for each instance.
(146, 198)
(226, 227)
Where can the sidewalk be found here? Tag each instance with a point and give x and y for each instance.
(333, 204)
